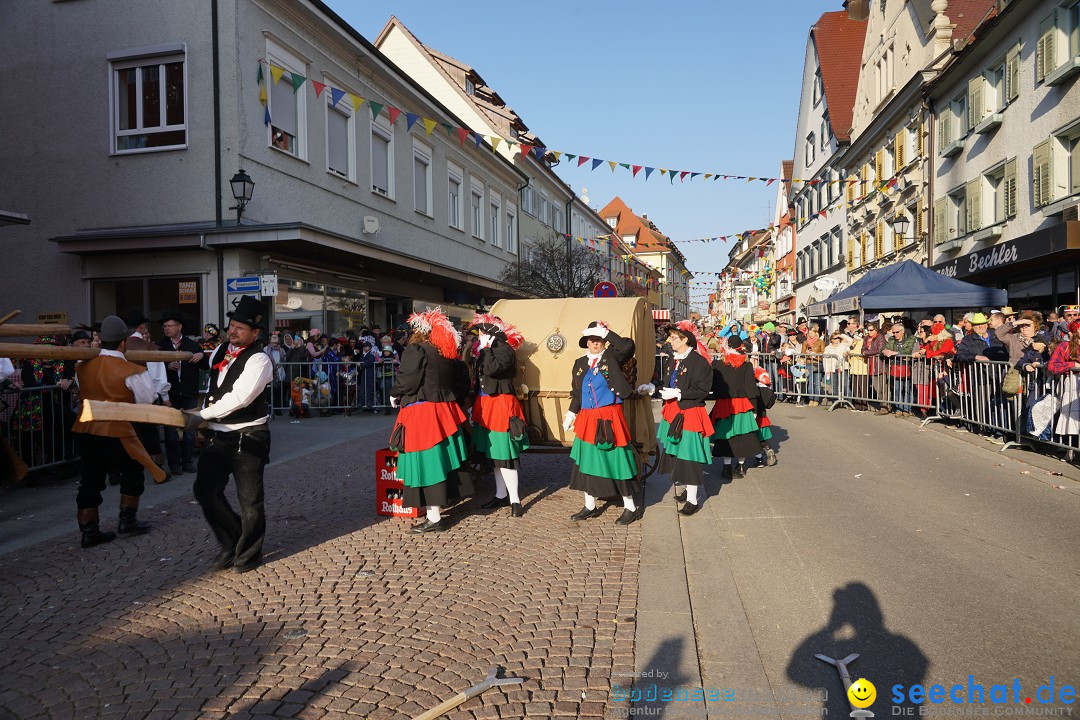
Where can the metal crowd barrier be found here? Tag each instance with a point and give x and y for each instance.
(1050, 411)
(36, 423)
(333, 387)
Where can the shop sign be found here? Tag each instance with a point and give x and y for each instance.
(54, 318)
(847, 305)
(1037, 244)
(188, 292)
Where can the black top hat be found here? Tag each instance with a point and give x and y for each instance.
(734, 342)
(584, 341)
(171, 315)
(250, 311)
(135, 318)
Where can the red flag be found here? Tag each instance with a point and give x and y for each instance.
(525, 149)
(462, 133)
(636, 169)
(582, 160)
(683, 174)
(394, 112)
(319, 87)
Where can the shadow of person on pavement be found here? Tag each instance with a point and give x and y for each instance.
(659, 689)
(857, 625)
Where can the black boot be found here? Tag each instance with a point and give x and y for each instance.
(726, 472)
(515, 510)
(770, 454)
(128, 525)
(91, 533)
(496, 502)
(739, 471)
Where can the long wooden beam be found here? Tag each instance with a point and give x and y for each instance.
(26, 351)
(33, 330)
(103, 410)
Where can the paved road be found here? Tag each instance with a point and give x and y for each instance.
(926, 551)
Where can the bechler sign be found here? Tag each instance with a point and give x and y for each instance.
(1055, 239)
(986, 260)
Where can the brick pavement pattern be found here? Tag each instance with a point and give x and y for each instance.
(350, 616)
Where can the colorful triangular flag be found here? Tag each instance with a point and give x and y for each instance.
(376, 108)
(276, 73)
(429, 125)
(319, 87)
(394, 112)
(335, 95)
(297, 81)
(410, 120)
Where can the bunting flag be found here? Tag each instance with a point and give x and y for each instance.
(538, 151)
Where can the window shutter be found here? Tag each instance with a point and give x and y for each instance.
(975, 101)
(1040, 180)
(944, 129)
(919, 222)
(1009, 185)
(900, 148)
(879, 239)
(850, 254)
(879, 165)
(1074, 159)
(850, 190)
(920, 141)
(1012, 74)
(939, 220)
(974, 204)
(1044, 63)
(862, 247)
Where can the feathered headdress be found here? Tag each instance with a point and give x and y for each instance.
(442, 333)
(493, 324)
(689, 330)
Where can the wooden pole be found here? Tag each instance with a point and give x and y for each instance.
(26, 351)
(28, 330)
(10, 315)
(102, 410)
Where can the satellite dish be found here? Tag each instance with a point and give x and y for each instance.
(825, 284)
(294, 303)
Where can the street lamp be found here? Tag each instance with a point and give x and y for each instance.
(900, 225)
(242, 187)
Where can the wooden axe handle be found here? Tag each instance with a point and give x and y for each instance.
(25, 330)
(10, 315)
(443, 708)
(102, 410)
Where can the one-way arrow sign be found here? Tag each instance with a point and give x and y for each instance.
(243, 284)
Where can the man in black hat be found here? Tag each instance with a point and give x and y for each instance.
(183, 380)
(239, 440)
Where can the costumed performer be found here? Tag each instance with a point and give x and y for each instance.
(428, 435)
(603, 461)
(499, 431)
(766, 399)
(685, 429)
(733, 415)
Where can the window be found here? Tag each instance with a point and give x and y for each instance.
(494, 218)
(470, 87)
(629, 240)
(884, 71)
(476, 207)
(382, 158)
(1058, 51)
(612, 222)
(149, 103)
(1056, 167)
(340, 138)
(545, 209)
(956, 214)
(913, 136)
(455, 216)
(826, 132)
(953, 125)
(819, 87)
(557, 218)
(511, 228)
(422, 178)
(286, 102)
(996, 202)
(528, 201)
(809, 149)
(994, 96)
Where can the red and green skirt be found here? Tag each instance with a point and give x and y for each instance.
(491, 435)
(604, 462)
(697, 431)
(434, 444)
(735, 428)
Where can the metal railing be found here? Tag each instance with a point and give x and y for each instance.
(331, 387)
(1050, 411)
(36, 423)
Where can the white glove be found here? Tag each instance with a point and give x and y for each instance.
(599, 331)
(486, 340)
(646, 389)
(568, 421)
(670, 393)
(194, 420)
(393, 401)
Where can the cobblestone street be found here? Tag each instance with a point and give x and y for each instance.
(350, 616)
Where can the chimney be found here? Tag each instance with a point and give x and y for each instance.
(857, 9)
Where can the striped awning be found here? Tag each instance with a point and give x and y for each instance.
(664, 314)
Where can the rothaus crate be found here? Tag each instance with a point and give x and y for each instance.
(388, 489)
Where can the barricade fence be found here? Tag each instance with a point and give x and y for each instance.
(307, 388)
(36, 424)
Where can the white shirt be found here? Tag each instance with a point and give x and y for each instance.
(156, 371)
(7, 369)
(140, 384)
(251, 383)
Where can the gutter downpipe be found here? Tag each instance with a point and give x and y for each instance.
(928, 207)
(569, 240)
(216, 71)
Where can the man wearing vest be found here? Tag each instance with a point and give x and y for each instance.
(105, 446)
(239, 440)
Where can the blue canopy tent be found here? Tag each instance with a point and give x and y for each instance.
(909, 285)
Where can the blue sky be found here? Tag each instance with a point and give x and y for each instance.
(702, 86)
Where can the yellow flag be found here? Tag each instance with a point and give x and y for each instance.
(556, 153)
(663, 171)
(276, 72)
(707, 175)
(612, 163)
(495, 140)
(262, 93)
(429, 124)
(357, 101)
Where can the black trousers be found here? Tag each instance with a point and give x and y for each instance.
(100, 456)
(180, 452)
(242, 454)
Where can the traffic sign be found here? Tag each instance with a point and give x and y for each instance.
(268, 285)
(243, 284)
(605, 289)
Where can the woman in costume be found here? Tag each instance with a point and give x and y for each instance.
(603, 461)
(428, 435)
(685, 428)
(734, 416)
(498, 420)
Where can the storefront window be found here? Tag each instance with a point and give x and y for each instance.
(153, 296)
(1033, 294)
(302, 306)
(1066, 288)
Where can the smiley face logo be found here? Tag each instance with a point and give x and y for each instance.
(862, 693)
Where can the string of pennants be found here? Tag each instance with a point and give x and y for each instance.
(465, 134)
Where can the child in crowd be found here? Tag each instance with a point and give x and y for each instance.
(762, 404)
(301, 398)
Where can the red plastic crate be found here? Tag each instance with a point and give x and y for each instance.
(388, 489)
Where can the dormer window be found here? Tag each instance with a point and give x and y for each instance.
(470, 87)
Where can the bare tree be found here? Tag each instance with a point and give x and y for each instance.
(631, 288)
(557, 267)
